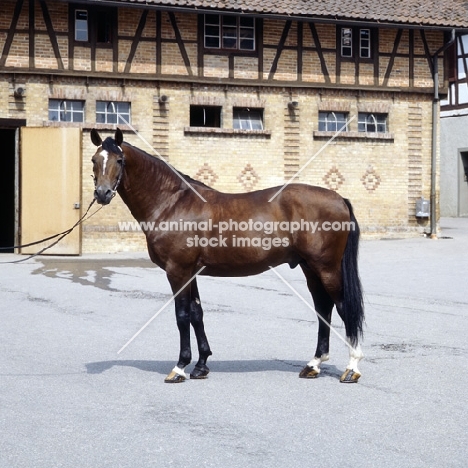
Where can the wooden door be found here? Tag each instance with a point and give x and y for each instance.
(50, 187)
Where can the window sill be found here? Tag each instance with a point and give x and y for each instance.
(355, 135)
(226, 131)
(89, 126)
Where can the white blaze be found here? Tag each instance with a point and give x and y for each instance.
(104, 155)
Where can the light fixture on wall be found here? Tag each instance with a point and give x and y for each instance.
(293, 105)
(163, 99)
(19, 92)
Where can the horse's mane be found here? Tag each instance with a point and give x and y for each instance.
(192, 180)
(109, 144)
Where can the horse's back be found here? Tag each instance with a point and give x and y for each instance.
(290, 202)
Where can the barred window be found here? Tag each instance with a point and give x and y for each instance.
(112, 112)
(63, 110)
(333, 121)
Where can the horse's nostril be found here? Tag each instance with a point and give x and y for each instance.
(103, 194)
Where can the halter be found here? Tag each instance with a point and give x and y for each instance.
(119, 177)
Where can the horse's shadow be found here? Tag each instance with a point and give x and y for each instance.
(241, 366)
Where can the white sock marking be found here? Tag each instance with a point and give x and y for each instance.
(317, 361)
(355, 355)
(179, 371)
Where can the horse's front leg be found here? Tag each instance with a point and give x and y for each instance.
(200, 370)
(182, 310)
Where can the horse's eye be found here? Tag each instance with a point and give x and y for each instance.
(119, 162)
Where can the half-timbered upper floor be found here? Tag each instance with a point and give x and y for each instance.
(359, 45)
(457, 65)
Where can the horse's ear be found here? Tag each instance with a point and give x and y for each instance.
(95, 138)
(118, 137)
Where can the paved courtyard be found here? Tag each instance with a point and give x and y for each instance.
(68, 399)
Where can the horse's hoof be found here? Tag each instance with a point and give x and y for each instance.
(350, 376)
(309, 373)
(174, 377)
(199, 373)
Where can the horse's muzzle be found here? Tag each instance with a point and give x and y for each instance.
(103, 195)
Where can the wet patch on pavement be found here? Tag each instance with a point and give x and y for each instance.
(88, 272)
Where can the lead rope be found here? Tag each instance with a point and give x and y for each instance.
(60, 236)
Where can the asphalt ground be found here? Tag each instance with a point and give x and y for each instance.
(68, 399)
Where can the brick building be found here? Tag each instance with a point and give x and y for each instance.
(453, 134)
(240, 95)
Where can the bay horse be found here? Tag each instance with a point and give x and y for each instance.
(158, 195)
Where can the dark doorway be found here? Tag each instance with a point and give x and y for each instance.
(7, 189)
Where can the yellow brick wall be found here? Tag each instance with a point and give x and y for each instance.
(372, 173)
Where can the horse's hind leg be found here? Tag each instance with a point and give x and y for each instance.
(352, 373)
(332, 284)
(200, 370)
(324, 307)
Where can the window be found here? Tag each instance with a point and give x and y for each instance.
(229, 32)
(348, 46)
(248, 119)
(111, 112)
(61, 110)
(364, 43)
(332, 121)
(103, 21)
(95, 24)
(81, 25)
(346, 42)
(205, 116)
(372, 123)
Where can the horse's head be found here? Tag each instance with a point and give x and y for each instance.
(108, 166)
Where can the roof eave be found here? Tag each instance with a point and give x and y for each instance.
(270, 15)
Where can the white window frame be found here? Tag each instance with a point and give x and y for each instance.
(347, 42)
(365, 44)
(120, 109)
(247, 119)
(347, 47)
(378, 120)
(81, 26)
(333, 121)
(67, 110)
(221, 31)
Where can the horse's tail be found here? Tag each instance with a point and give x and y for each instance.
(353, 303)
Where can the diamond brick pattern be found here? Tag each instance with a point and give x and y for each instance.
(333, 179)
(248, 178)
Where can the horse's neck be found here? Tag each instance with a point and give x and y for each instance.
(148, 185)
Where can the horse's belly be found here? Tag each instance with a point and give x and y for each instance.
(247, 262)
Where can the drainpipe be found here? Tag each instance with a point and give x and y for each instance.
(435, 107)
